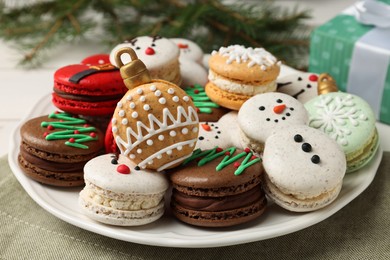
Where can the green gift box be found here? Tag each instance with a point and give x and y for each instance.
(357, 56)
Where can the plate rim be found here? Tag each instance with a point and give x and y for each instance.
(171, 239)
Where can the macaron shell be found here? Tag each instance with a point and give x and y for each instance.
(96, 59)
(226, 99)
(345, 117)
(291, 169)
(258, 118)
(101, 172)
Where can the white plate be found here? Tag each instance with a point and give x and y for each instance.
(168, 231)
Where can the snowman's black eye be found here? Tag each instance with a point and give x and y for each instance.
(114, 161)
(262, 108)
(299, 78)
(138, 48)
(279, 101)
(308, 86)
(298, 138)
(153, 45)
(315, 159)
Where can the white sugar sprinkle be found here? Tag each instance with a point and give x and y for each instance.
(146, 107)
(134, 115)
(162, 100)
(121, 113)
(171, 91)
(175, 98)
(153, 88)
(157, 93)
(139, 91)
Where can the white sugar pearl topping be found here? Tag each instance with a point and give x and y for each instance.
(172, 133)
(160, 137)
(175, 98)
(162, 100)
(157, 93)
(134, 114)
(169, 152)
(186, 98)
(139, 150)
(171, 91)
(159, 156)
(146, 107)
(149, 142)
(114, 129)
(139, 91)
(121, 113)
(153, 88)
(179, 147)
(113, 120)
(132, 105)
(119, 104)
(129, 97)
(132, 156)
(184, 130)
(195, 129)
(125, 121)
(142, 98)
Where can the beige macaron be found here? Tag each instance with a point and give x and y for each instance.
(237, 73)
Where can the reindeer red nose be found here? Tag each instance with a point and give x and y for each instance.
(122, 168)
(149, 51)
(279, 109)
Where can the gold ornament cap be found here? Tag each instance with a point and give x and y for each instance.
(326, 84)
(133, 73)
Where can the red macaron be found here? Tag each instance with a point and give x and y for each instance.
(88, 90)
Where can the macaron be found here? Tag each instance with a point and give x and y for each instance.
(300, 85)
(160, 56)
(88, 90)
(265, 114)
(55, 148)
(237, 73)
(96, 59)
(304, 168)
(218, 188)
(118, 193)
(350, 121)
(208, 111)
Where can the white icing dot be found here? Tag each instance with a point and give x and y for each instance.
(175, 98)
(160, 137)
(134, 115)
(139, 150)
(169, 152)
(159, 156)
(184, 130)
(114, 129)
(192, 144)
(146, 107)
(262, 67)
(150, 162)
(157, 93)
(139, 91)
(124, 121)
(132, 156)
(162, 100)
(119, 104)
(171, 91)
(149, 142)
(121, 113)
(195, 129)
(142, 98)
(132, 105)
(172, 133)
(186, 98)
(153, 88)
(129, 97)
(143, 166)
(101, 61)
(179, 147)
(113, 120)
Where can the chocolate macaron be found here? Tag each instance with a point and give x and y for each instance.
(218, 188)
(55, 148)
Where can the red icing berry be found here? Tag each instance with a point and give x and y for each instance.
(76, 132)
(56, 112)
(253, 157)
(86, 125)
(122, 168)
(196, 91)
(149, 51)
(93, 135)
(50, 127)
(182, 45)
(45, 134)
(72, 140)
(206, 127)
(219, 149)
(197, 110)
(279, 109)
(227, 153)
(313, 77)
(236, 164)
(247, 150)
(61, 120)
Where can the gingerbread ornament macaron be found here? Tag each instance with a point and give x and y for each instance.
(155, 124)
(237, 73)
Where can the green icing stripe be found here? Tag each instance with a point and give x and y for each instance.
(69, 123)
(210, 155)
(384, 114)
(201, 100)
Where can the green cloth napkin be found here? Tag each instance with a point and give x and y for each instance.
(361, 230)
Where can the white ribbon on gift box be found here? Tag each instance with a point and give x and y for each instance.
(371, 55)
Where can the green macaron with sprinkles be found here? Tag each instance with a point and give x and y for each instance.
(350, 121)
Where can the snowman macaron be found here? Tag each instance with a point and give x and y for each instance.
(160, 56)
(304, 168)
(264, 114)
(300, 85)
(191, 58)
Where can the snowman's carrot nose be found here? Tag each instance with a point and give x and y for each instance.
(279, 109)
